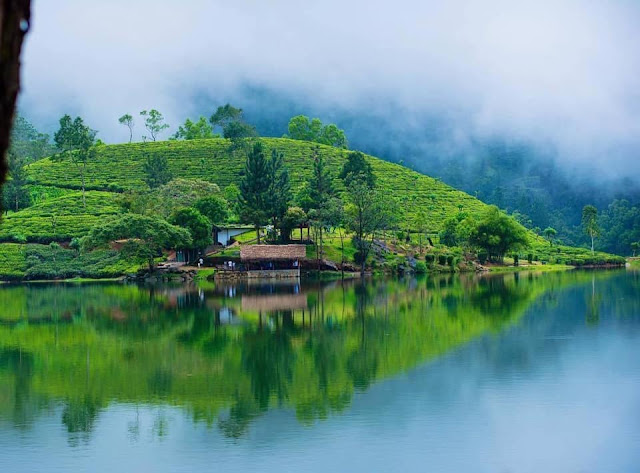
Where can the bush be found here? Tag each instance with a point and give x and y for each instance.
(530, 258)
(429, 259)
(420, 268)
(482, 257)
(357, 257)
(516, 259)
(442, 260)
(450, 260)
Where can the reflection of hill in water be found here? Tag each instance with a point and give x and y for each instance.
(231, 353)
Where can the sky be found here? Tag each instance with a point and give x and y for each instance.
(564, 74)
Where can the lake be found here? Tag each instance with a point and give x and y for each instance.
(496, 373)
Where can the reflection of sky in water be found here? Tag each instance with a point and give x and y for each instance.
(552, 393)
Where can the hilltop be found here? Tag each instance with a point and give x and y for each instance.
(59, 216)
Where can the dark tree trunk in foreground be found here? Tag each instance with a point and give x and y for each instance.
(14, 24)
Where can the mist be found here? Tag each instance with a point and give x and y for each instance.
(437, 75)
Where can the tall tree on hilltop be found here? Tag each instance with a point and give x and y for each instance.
(194, 130)
(127, 120)
(76, 140)
(254, 188)
(231, 120)
(590, 223)
(154, 123)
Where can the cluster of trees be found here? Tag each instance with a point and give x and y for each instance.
(305, 129)
(27, 145)
(266, 198)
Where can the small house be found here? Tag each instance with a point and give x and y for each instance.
(222, 234)
(279, 261)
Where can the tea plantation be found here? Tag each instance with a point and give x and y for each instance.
(59, 215)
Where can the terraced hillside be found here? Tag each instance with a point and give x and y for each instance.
(59, 216)
(119, 167)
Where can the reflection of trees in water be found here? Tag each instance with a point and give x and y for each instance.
(79, 417)
(311, 357)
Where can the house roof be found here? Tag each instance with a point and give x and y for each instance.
(272, 252)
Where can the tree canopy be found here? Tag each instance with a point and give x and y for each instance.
(357, 168)
(198, 225)
(498, 233)
(197, 130)
(302, 128)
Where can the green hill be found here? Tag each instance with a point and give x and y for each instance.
(118, 168)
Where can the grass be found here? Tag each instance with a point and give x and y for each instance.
(59, 218)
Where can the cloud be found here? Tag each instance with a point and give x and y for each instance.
(561, 73)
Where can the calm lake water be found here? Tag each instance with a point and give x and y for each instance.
(501, 373)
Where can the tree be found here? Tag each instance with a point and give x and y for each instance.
(254, 188)
(150, 234)
(232, 196)
(590, 223)
(357, 168)
(550, 233)
(635, 246)
(294, 217)
(198, 130)
(156, 170)
(76, 140)
(27, 143)
(231, 120)
(15, 193)
(302, 128)
(154, 122)
(279, 191)
(198, 225)
(214, 207)
(320, 192)
(127, 120)
(497, 234)
(367, 212)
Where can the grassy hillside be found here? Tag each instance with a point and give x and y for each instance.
(59, 214)
(119, 167)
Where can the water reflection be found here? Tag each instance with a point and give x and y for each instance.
(228, 354)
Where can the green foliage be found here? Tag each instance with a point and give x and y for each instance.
(590, 223)
(421, 268)
(231, 120)
(550, 233)
(154, 123)
(278, 193)
(26, 143)
(156, 169)
(357, 168)
(301, 128)
(293, 218)
(198, 130)
(214, 207)
(198, 225)
(154, 234)
(254, 188)
(498, 233)
(15, 195)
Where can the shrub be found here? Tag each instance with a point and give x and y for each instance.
(421, 267)
(530, 258)
(482, 257)
(357, 257)
(429, 259)
(450, 260)
(516, 259)
(442, 260)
